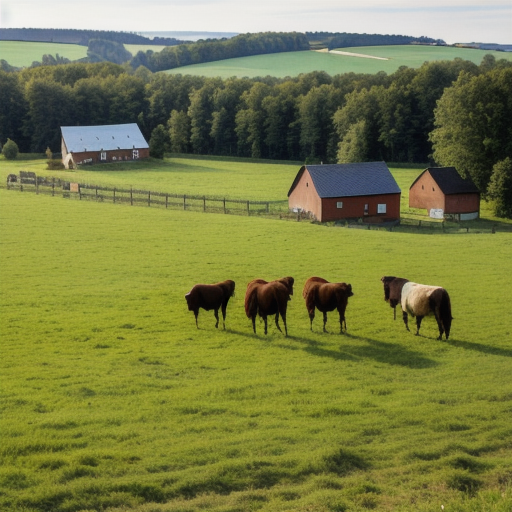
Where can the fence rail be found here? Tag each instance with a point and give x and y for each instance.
(137, 197)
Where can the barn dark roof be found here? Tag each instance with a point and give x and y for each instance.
(103, 138)
(348, 180)
(450, 181)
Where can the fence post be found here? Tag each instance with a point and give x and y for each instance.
(204, 203)
(149, 198)
(248, 212)
(114, 195)
(166, 200)
(96, 193)
(267, 207)
(53, 186)
(131, 196)
(184, 202)
(224, 205)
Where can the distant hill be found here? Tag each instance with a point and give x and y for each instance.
(331, 40)
(81, 37)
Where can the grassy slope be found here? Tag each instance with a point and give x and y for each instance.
(23, 53)
(111, 397)
(293, 63)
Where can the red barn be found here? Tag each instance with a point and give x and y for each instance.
(364, 190)
(100, 144)
(444, 192)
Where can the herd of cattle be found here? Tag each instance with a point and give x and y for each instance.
(266, 299)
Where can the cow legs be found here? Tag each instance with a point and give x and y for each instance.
(342, 321)
(216, 313)
(311, 318)
(418, 324)
(406, 319)
(439, 324)
(196, 314)
(224, 316)
(254, 323)
(325, 321)
(277, 322)
(283, 316)
(265, 320)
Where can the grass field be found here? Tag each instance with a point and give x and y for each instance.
(112, 400)
(20, 53)
(23, 53)
(294, 63)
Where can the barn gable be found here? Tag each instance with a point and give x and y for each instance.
(356, 190)
(443, 191)
(105, 143)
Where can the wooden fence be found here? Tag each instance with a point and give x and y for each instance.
(137, 197)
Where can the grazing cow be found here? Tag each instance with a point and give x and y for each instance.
(393, 290)
(420, 300)
(326, 296)
(211, 296)
(265, 298)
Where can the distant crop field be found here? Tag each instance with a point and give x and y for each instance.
(135, 48)
(111, 399)
(22, 53)
(292, 64)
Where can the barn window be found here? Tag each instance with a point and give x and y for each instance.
(103, 155)
(422, 187)
(339, 204)
(381, 208)
(307, 184)
(433, 189)
(366, 209)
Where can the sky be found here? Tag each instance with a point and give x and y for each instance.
(454, 21)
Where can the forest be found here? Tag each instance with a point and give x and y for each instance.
(411, 116)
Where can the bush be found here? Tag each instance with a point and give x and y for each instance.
(10, 150)
(55, 165)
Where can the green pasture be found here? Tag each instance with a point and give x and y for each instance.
(23, 53)
(112, 400)
(291, 64)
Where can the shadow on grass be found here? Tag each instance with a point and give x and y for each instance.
(388, 353)
(486, 349)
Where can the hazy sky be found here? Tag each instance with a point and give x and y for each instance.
(451, 20)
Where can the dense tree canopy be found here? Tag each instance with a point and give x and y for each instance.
(473, 128)
(313, 117)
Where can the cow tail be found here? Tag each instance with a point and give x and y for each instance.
(250, 301)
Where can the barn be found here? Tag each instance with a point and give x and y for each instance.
(101, 144)
(443, 192)
(365, 190)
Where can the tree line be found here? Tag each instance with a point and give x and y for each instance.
(242, 45)
(443, 113)
(80, 36)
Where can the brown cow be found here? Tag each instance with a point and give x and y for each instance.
(268, 298)
(211, 296)
(393, 290)
(326, 296)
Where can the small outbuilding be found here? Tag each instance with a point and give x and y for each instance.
(443, 192)
(101, 144)
(333, 192)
